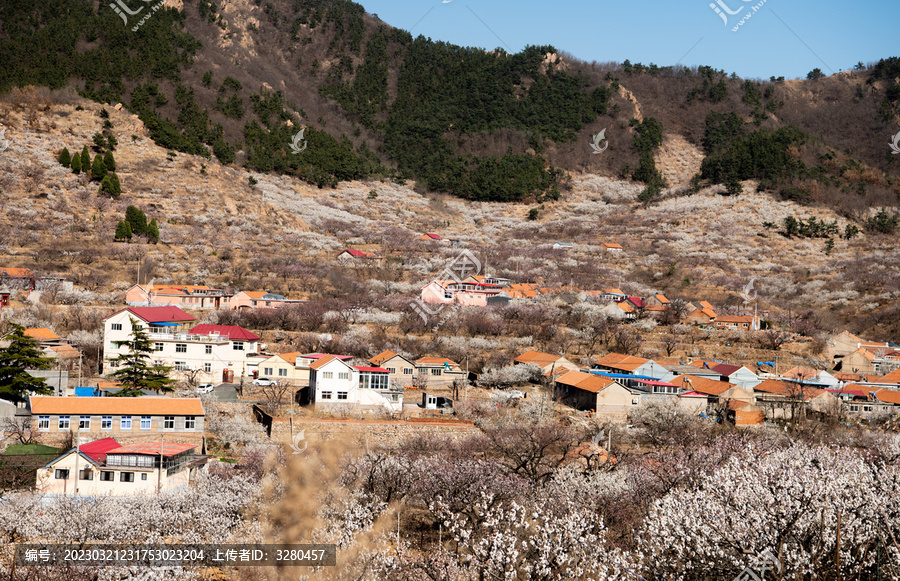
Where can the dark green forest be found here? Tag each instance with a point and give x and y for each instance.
(412, 108)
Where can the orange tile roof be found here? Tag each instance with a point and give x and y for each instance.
(620, 361)
(801, 373)
(888, 395)
(382, 357)
(537, 358)
(322, 361)
(610, 245)
(66, 351)
(702, 384)
(706, 305)
(892, 377)
(435, 361)
(662, 298)
(255, 294)
(16, 272)
(586, 381)
(626, 306)
(147, 406)
(734, 319)
(788, 389)
(41, 334)
(290, 357)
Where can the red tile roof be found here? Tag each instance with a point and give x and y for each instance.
(153, 449)
(372, 369)
(167, 314)
(321, 355)
(233, 332)
(726, 368)
(97, 449)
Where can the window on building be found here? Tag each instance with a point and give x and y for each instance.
(189, 422)
(207, 349)
(237, 346)
(125, 423)
(62, 474)
(267, 371)
(180, 347)
(423, 370)
(207, 367)
(326, 395)
(169, 422)
(158, 347)
(327, 374)
(344, 375)
(181, 366)
(143, 476)
(854, 408)
(407, 371)
(107, 475)
(342, 395)
(867, 408)
(86, 474)
(43, 423)
(126, 477)
(106, 423)
(84, 423)
(282, 372)
(63, 422)
(116, 326)
(145, 422)
(436, 371)
(392, 369)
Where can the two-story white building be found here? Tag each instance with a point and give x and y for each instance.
(211, 353)
(335, 382)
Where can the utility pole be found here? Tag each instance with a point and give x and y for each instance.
(159, 478)
(77, 453)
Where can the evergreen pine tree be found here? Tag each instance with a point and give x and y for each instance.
(153, 232)
(112, 142)
(98, 170)
(76, 163)
(123, 230)
(133, 369)
(136, 219)
(109, 161)
(22, 353)
(85, 159)
(116, 186)
(106, 187)
(65, 158)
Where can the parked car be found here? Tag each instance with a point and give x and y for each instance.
(206, 388)
(264, 382)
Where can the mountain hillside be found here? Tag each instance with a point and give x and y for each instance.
(239, 80)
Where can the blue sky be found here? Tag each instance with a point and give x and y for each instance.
(782, 38)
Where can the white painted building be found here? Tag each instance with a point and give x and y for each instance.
(211, 353)
(335, 382)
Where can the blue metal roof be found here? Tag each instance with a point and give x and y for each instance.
(621, 375)
(86, 391)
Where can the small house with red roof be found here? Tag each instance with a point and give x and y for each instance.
(352, 254)
(106, 468)
(183, 296)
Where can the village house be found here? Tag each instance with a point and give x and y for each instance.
(471, 294)
(122, 417)
(260, 300)
(335, 382)
(283, 369)
(106, 468)
(401, 369)
(350, 254)
(787, 400)
(631, 365)
(438, 372)
(717, 392)
(846, 342)
(700, 315)
(182, 296)
(210, 353)
(811, 376)
(860, 361)
(549, 363)
(612, 247)
(739, 375)
(737, 322)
